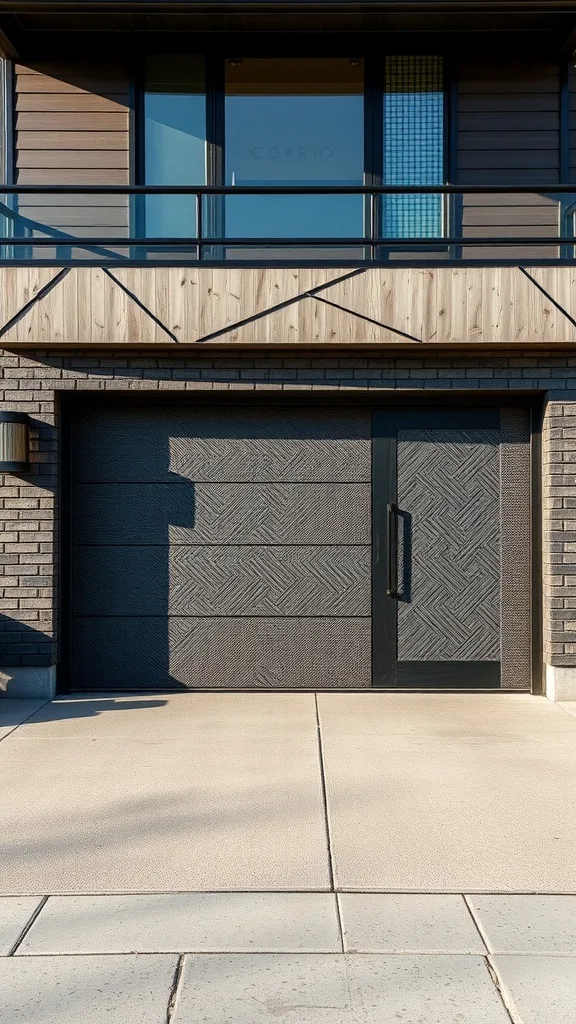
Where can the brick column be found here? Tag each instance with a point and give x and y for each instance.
(559, 547)
(28, 539)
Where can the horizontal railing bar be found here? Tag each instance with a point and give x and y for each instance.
(386, 243)
(289, 190)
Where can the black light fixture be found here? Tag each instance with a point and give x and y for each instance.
(14, 442)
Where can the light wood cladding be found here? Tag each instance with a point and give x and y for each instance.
(393, 307)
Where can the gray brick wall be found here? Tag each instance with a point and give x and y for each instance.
(30, 383)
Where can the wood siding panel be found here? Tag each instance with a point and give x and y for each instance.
(508, 130)
(407, 308)
(72, 125)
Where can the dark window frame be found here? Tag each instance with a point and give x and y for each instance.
(373, 109)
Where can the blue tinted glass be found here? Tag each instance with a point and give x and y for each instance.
(175, 141)
(413, 145)
(294, 122)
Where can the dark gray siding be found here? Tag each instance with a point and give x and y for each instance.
(224, 548)
(508, 132)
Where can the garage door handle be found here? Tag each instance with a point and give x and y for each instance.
(392, 551)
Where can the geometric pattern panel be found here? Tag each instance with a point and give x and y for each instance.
(221, 544)
(230, 580)
(234, 513)
(140, 654)
(222, 445)
(449, 497)
(516, 547)
(305, 652)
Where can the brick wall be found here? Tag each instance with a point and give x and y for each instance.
(30, 383)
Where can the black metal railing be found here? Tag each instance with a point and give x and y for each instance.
(471, 226)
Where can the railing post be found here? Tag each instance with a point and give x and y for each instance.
(199, 226)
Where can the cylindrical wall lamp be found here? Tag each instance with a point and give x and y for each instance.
(14, 442)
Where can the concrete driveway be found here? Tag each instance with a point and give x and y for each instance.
(330, 858)
(294, 792)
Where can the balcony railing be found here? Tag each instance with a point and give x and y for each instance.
(116, 225)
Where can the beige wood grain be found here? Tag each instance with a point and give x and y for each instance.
(19, 285)
(396, 307)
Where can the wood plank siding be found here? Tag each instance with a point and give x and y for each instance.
(408, 308)
(72, 123)
(508, 132)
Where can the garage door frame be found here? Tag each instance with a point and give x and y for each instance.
(70, 402)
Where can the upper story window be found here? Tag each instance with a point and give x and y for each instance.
(294, 121)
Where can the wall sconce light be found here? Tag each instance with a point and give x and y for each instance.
(14, 442)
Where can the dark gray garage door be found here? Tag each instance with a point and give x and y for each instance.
(220, 547)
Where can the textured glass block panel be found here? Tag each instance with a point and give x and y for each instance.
(413, 145)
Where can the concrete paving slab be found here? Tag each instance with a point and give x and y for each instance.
(569, 706)
(538, 989)
(15, 912)
(158, 716)
(187, 922)
(388, 923)
(90, 989)
(14, 712)
(450, 792)
(356, 989)
(527, 924)
(228, 797)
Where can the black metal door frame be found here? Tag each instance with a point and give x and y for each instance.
(387, 519)
(383, 463)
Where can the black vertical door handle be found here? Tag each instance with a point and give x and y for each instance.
(392, 590)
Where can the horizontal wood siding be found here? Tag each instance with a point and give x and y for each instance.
(508, 132)
(72, 128)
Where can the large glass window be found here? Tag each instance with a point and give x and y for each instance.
(175, 141)
(413, 145)
(294, 121)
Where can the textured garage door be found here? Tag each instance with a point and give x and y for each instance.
(220, 547)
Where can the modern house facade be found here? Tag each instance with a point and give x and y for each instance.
(288, 328)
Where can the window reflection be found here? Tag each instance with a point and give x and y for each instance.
(294, 121)
(175, 141)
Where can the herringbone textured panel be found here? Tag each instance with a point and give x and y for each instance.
(320, 652)
(205, 513)
(222, 547)
(221, 445)
(449, 487)
(157, 653)
(246, 580)
(516, 529)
